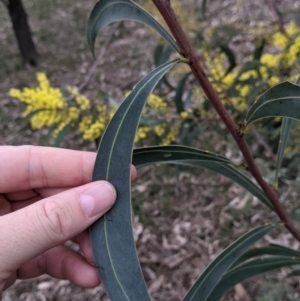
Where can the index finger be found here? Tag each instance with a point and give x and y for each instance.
(31, 167)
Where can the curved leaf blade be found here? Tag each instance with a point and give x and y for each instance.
(272, 249)
(179, 93)
(109, 11)
(197, 158)
(281, 100)
(111, 236)
(209, 279)
(155, 154)
(230, 56)
(284, 134)
(256, 91)
(247, 270)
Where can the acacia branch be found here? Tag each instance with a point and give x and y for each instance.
(188, 51)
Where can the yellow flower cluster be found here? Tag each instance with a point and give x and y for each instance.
(288, 43)
(154, 105)
(94, 131)
(46, 104)
(142, 133)
(172, 135)
(157, 103)
(47, 107)
(286, 49)
(82, 101)
(93, 127)
(159, 130)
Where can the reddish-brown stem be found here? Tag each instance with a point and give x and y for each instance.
(188, 51)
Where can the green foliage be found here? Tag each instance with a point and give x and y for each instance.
(187, 156)
(252, 88)
(111, 237)
(283, 100)
(108, 11)
(209, 279)
(115, 253)
(284, 134)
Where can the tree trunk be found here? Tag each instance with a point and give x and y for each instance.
(22, 32)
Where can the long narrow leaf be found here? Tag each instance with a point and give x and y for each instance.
(109, 11)
(247, 270)
(111, 236)
(230, 56)
(258, 51)
(256, 91)
(196, 158)
(203, 8)
(272, 249)
(281, 100)
(284, 134)
(208, 280)
(179, 93)
(154, 154)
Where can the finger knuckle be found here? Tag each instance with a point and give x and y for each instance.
(57, 219)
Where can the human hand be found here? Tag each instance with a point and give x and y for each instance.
(46, 198)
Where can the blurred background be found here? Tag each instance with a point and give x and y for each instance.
(54, 93)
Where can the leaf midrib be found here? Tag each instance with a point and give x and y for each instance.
(108, 169)
(223, 160)
(136, 5)
(263, 229)
(268, 101)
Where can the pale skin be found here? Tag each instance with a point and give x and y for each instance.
(45, 200)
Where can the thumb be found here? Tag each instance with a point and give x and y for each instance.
(30, 231)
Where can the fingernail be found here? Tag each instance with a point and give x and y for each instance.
(97, 199)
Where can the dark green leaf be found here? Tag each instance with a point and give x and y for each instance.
(253, 65)
(50, 133)
(284, 134)
(208, 280)
(234, 175)
(188, 132)
(109, 11)
(111, 236)
(230, 56)
(203, 8)
(145, 120)
(295, 17)
(249, 269)
(179, 93)
(162, 53)
(294, 273)
(31, 114)
(188, 100)
(158, 52)
(255, 91)
(197, 158)
(154, 154)
(259, 50)
(269, 250)
(281, 100)
(61, 135)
